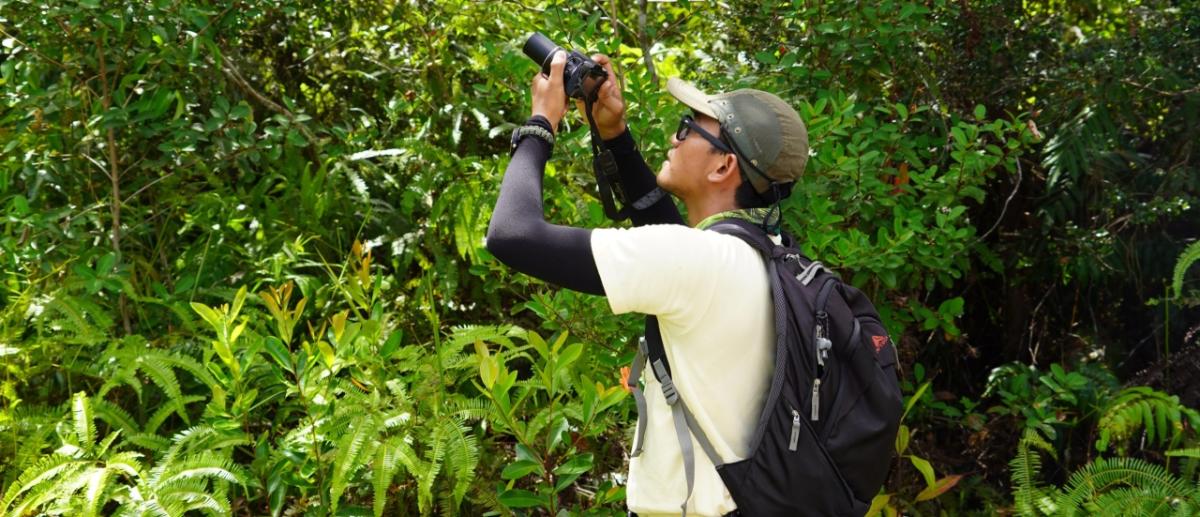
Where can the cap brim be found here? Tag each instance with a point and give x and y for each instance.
(691, 96)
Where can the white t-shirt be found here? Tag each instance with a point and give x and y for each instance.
(712, 298)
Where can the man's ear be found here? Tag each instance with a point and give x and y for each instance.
(727, 171)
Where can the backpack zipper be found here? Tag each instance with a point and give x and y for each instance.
(795, 440)
(816, 401)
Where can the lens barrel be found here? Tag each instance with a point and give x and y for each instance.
(540, 49)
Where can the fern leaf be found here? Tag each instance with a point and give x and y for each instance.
(163, 377)
(126, 463)
(1026, 467)
(1188, 453)
(205, 465)
(385, 465)
(40, 474)
(346, 458)
(1141, 408)
(1086, 485)
(189, 365)
(97, 485)
(461, 460)
(84, 428)
(114, 416)
(1189, 256)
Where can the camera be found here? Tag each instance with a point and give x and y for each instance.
(582, 77)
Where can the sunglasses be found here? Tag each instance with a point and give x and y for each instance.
(687, 124)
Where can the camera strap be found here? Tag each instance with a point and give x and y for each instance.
(604, 165)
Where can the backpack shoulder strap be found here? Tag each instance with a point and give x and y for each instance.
(686, 426)
(746, 231)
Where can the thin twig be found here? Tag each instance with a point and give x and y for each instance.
(644, 41)
(148, 185)
(114, 177)
(235, 76)
(1016, 187)
(31, 49)
(1160, 92)
(616, 23)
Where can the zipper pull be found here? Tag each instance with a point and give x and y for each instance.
(816, 400)
(795, 430)
(819, 336)
(823, 346)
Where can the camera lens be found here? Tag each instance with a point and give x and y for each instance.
(540, 49)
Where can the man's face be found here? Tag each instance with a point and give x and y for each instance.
(690, 160)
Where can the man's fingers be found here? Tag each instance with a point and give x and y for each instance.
(557, 64)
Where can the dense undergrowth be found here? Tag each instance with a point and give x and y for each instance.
(243, 268)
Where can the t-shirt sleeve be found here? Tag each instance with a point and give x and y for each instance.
(665, 270)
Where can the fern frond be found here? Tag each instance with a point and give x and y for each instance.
(463, 335)
(1089, 483)
(476, 408)
(163, 377)
(84, 428)
(1136, 408)
(1193, 452)
(165, 411)
(206, 465)
(40, 474)
(384, 467)
(1026, 467)
(205, 437)
(126, 463)
(113, 415)
(1189, 256)
(122, 375)
(461, 459)
(98, 480)
(187, 364)
(149, 441)
(346, 458)
(1136, 501)
(73, 321)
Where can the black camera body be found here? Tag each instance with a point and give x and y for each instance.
(582, 77)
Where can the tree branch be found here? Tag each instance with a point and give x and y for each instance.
(644, 41)
(31, 49)
(114, 176)
(236, 76)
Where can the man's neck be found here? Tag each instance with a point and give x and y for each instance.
(699, 210)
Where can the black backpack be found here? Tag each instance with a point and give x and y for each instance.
(824, 440)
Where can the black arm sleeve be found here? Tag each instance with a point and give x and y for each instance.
(520, 237)
(637, 180)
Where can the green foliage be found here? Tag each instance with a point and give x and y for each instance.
(552, 415)
(87, 472)
(1160, 416)
(164, 161)
(1107, 486)
(1185, 260)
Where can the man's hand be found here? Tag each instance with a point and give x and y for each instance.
(549, 98)
(609, 108)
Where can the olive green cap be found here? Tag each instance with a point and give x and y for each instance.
(767, 135)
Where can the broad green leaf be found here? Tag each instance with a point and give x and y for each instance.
(327, 353)
(902, 437)
(576, 465)
(912, 400)
(517, 498)
(938, 488)
(210, 315)
(878, 503)
(520, 469)
(925, 468)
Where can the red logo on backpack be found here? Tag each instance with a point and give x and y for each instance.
(880, 342)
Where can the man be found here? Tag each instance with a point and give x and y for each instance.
(735, 156)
